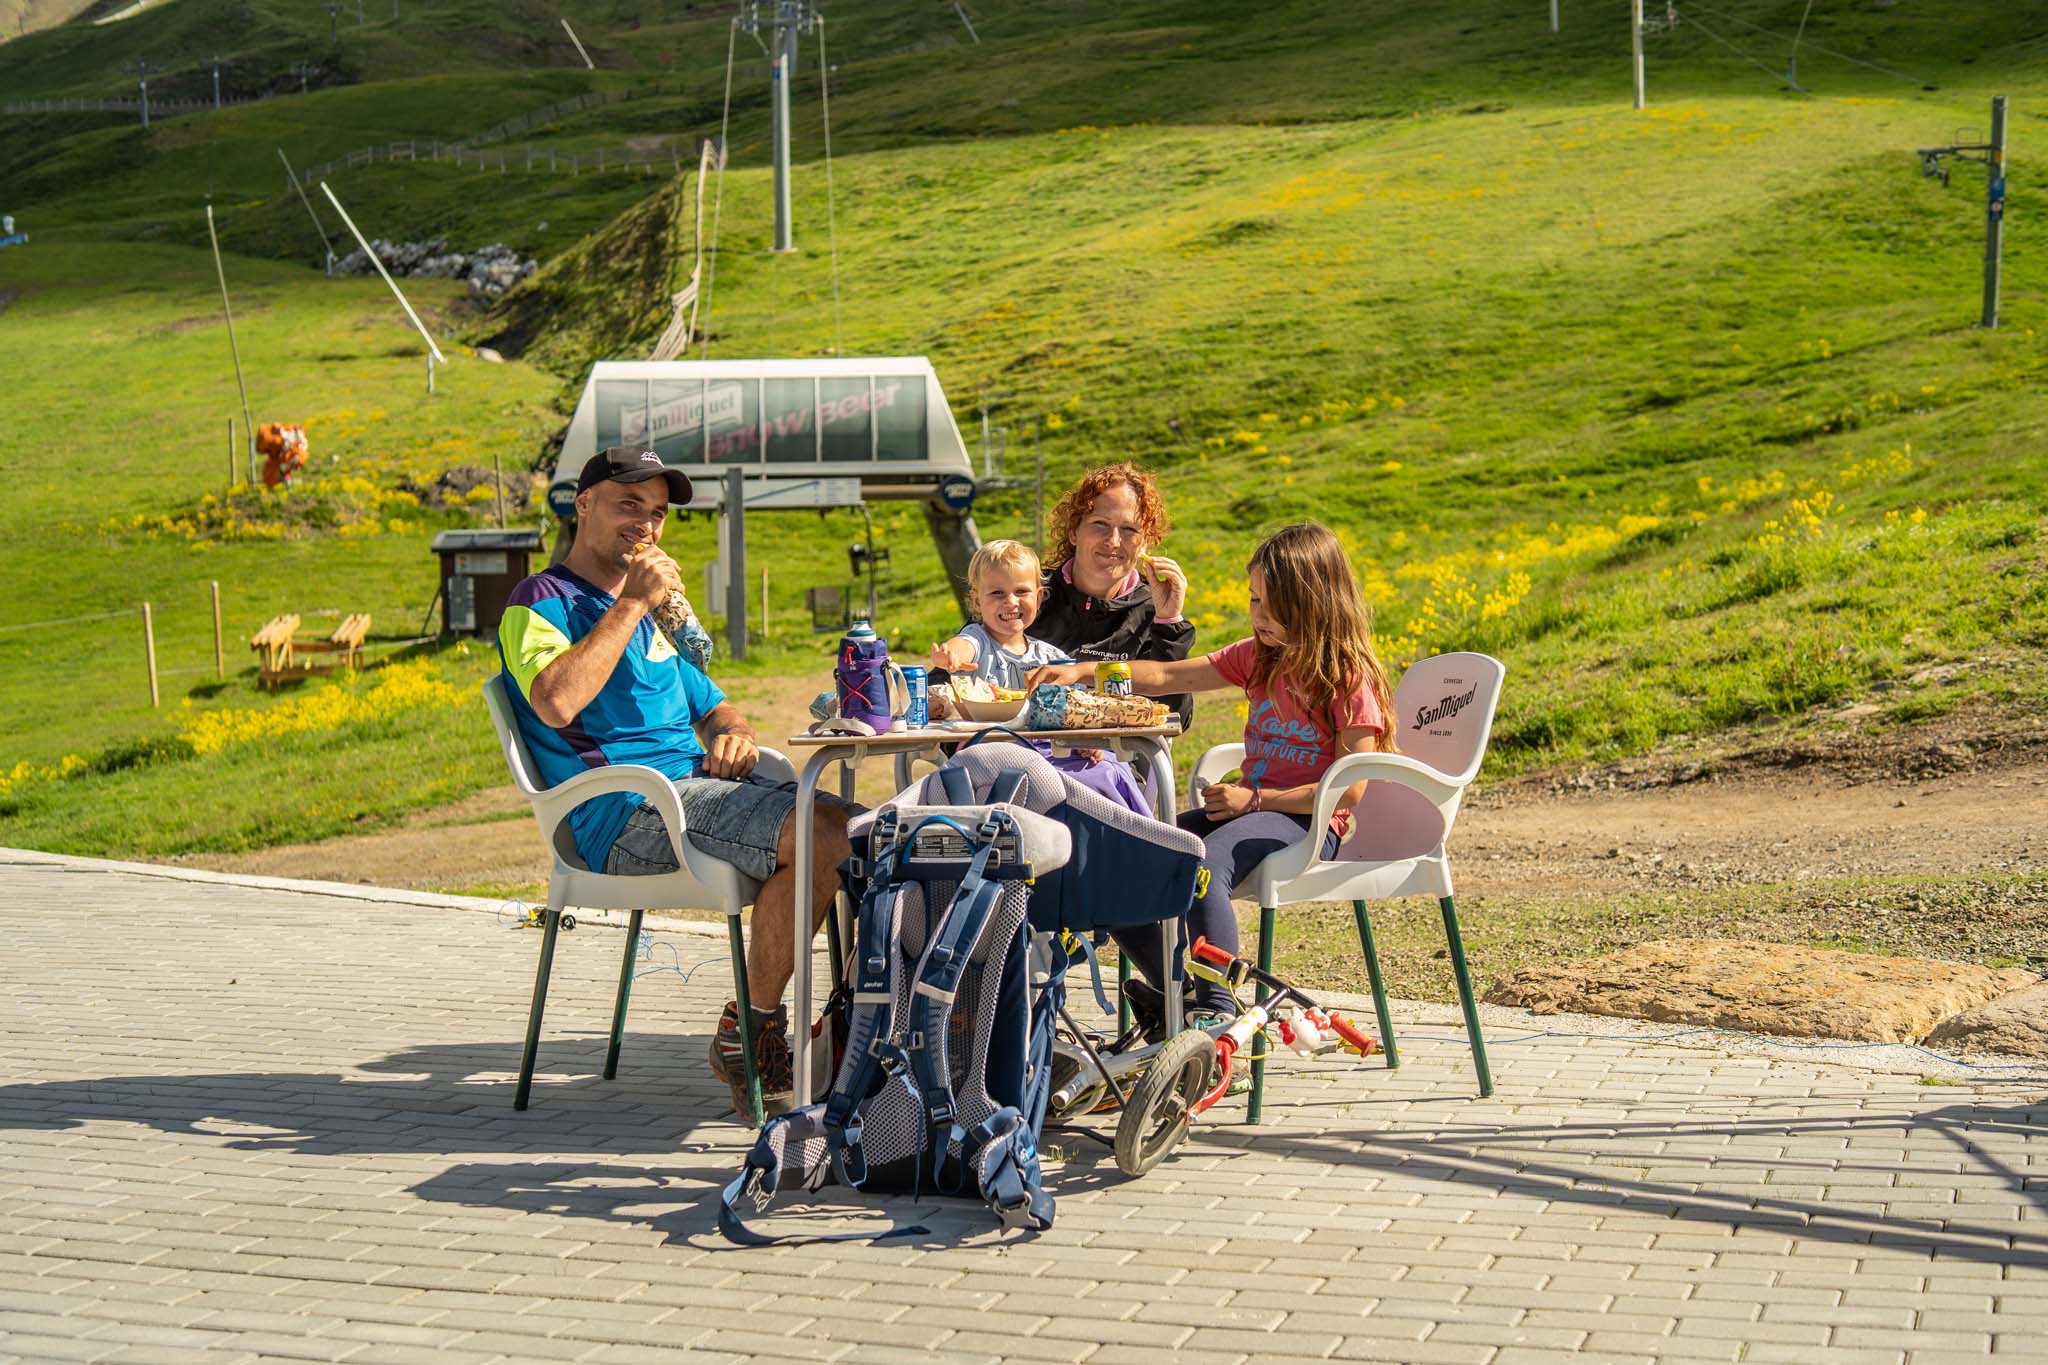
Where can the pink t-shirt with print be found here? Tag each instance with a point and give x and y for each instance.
(1285, 744)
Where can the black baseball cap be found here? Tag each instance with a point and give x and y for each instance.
(631, 464)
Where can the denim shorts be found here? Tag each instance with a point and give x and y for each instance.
(736, 822)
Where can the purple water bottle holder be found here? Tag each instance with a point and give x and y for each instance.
(862, 678)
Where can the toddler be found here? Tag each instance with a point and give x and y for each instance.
(1005, 589)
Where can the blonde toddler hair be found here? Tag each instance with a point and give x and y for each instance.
(1009, 554)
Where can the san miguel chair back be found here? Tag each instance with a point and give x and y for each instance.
(700, 882)
(1443, 717)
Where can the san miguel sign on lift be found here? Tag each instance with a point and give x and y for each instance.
(718, 407)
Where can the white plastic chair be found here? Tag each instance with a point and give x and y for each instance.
(1443, 714)
(701, 882)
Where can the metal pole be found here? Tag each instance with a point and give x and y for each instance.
(144, 82)
(867, 517)
(1635, 20)
(433, 351)
(764, 603)
(498, 486)
(231, 452)
(736, 563)
(579, 46)
(1994, 210)
(149, 650)
(220, 658)
(292, 176)
(780, 73)
(1553, 16)
(1038, 520)
(216, 86)
(234, 347)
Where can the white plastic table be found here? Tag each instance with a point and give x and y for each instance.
(1152, 743)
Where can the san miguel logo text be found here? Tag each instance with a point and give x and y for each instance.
(1446, 707)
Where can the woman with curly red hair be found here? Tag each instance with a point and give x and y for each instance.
(1107, 595)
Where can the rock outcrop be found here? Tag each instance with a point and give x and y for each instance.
(489, 270)
(1765, 988)
(2016, 1024)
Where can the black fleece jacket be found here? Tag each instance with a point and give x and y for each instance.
(1093, 628)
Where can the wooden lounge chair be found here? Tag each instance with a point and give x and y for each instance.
(343, 648)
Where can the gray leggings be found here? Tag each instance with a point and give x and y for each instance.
(1231, 849)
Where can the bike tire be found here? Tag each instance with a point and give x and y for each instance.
(1156, 1116)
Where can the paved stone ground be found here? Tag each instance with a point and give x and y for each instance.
(258, 1122)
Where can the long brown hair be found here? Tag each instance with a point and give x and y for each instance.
(1311, 592)
(1066, 515)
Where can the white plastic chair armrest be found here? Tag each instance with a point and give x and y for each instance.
(1399, 769)
(774, 765)
(554, 804)
(1212, 765)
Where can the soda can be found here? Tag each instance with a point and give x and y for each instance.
(1113, 678)
(917, 712)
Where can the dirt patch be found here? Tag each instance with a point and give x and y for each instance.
(1928, 842)
(184, 325)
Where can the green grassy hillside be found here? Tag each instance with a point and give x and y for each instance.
(1682, 412)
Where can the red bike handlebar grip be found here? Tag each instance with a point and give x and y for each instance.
(1348, 1031)
(1210, 953)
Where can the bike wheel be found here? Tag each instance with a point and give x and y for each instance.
(1156, 1117)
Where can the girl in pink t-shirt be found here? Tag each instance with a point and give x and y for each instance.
(1314, 690)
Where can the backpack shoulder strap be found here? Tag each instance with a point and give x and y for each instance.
(938, 984)
(959, 791)
(871, 1022)
(1005, 787)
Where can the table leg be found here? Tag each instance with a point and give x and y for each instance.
(800, 928)
(1161, 758)
(841, 919)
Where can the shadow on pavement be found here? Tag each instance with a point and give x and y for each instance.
(456, 1099)
(1511, 1159)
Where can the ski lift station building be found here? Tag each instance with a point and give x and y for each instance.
(804, 433)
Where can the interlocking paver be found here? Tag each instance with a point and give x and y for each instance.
(280, 1125)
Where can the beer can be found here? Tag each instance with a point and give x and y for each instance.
(917, 712)
(1113, 678)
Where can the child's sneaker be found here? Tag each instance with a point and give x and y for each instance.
(1213, 1020)
(772, 1056)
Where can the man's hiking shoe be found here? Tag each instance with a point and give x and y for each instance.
(771, 1056)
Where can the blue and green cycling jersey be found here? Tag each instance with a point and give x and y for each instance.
(644, 713)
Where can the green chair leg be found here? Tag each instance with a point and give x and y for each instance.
(549, 925)
(1123, 1001)
(756, 1114)
(631, 955)
(1257, 1104)
(1465, 998)
(1379, 984)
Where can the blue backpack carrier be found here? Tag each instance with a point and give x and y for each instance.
(948, 1062)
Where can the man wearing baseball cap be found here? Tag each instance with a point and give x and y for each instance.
(594, 682)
